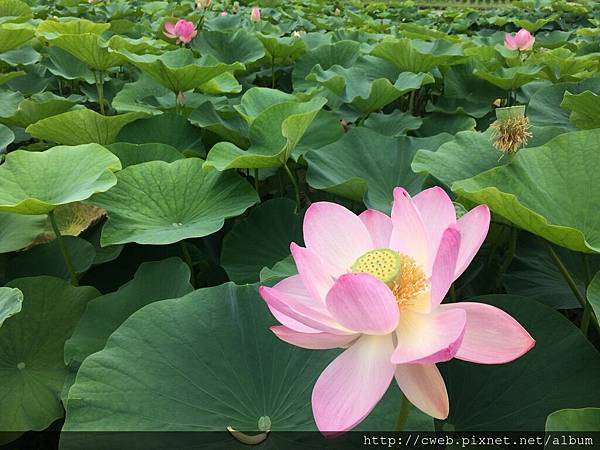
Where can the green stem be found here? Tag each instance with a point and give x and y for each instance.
(63, 250)
(587, 316)
(99, 75)
(257, 183)
(411, 102)
(272, 72)
(586, 268)
(296, 186)
(403, 414)
(188, 260)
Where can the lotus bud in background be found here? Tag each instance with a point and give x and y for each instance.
(203, 4)
(522, 41)
(236, 7)
(224, 13)
(511, 129)
(255, 14)
(184, 31)
(337, 12)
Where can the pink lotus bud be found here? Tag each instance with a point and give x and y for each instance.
(255, 14)
(184, 31)
(522, 41)
(224, 13)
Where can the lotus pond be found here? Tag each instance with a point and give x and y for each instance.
(276, 218)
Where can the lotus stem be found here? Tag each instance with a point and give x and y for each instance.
(63, 250)
(587, 316)
(257, 183)
(403, 414)
(296, 186)
(99, 75)
(188, 260)
(272, 71)
(411, 102)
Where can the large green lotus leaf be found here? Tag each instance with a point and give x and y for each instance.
(412, 55)
(229, 126)
(510, 78)
(31, 351)
(227, 47)
(532, 27)
(141, 45)
(9, 102)
(14, 11)
(583, 419)
(89, 48)
(47, 259)
(471, 153)
(153, 281)
(544, 106)
(561, 371)
(256, 100)
(268, 386)
(14, 35)
(533, 273)
(6, 77)
(461, 84)
(593, 295)
(282, 49)
(145, 95)
(585, 109)
(324, 130)
(261, 240)
(132, 154)
(162, 203)
(274, 135)
(168, 128)
(366, 166)
(7, 137)
(178, 70)
(396, 124)
(226, 83)
(354, 85)
(436, 123)
(51, 28)
(18, 231)
(562, 65)
(64, 175)
(62, 64)
(22, 56)
(533, 192)
(11, 302)
(467, 155)
(269, 378)
(38, 107)
(82, 126)
(342, 53)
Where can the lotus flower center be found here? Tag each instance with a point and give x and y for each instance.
(400, 272)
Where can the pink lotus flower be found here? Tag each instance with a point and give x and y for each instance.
(522, 41)
(374, 284)
(255, 14)
(184, 31)
(224, 13)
